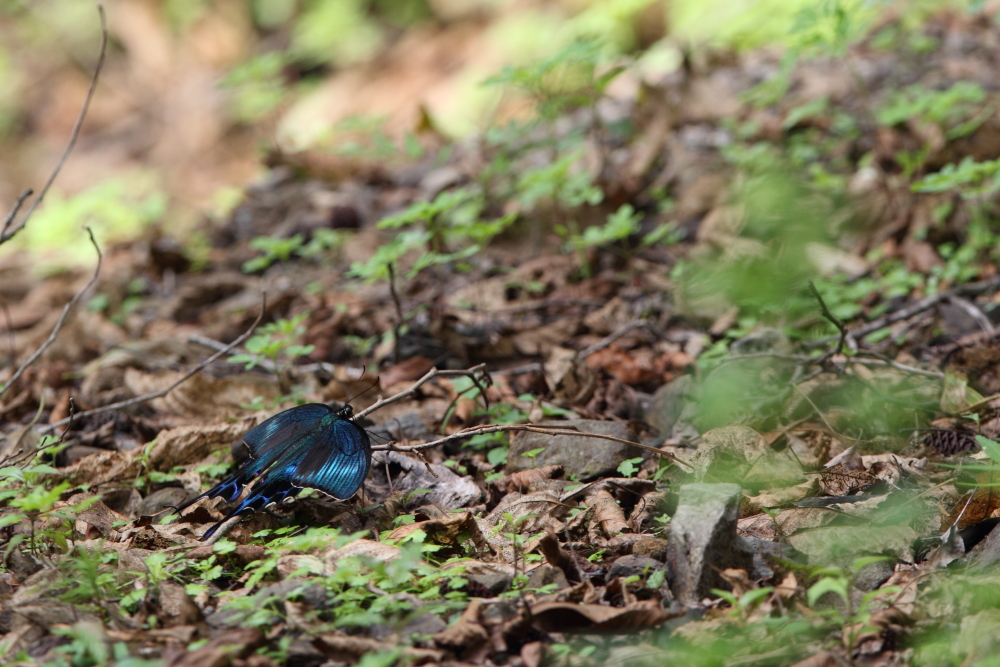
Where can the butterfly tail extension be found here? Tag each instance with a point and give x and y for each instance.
(271, 489)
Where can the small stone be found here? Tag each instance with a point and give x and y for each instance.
(668, 404)
(632, 565)
(545, 575)
(584, 457)
(873, 575)
(702, 540)
(491, 578)
(652, 547)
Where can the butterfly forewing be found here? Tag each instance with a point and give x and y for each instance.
(283, 428)
(337, 461)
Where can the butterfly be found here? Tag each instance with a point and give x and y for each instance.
(309, 446)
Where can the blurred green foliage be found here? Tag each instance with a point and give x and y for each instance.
(115, 209)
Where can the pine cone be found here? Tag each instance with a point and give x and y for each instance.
(950, 442)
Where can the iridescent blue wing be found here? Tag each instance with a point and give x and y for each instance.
(273, 487)
(267, 443)
(337, 461)
(285, 427)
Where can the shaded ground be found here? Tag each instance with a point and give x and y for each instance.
(635, 266)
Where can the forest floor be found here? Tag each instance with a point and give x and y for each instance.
(749, 307)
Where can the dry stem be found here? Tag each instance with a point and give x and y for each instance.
(164, 392)
(62, 319)
(7, 232)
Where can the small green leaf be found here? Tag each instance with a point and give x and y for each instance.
(991, 447)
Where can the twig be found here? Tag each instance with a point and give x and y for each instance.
(531, 428)
(62, 318)
(973, 311)
(14, 209)
(845, 336)
(399, 313)
(819, 413)
(903, 331)
(920, 306)
(264, 363)
(10, 334)
(6, 235)
(164, 392)
(608, 340)
(894, 364)
(430, 375)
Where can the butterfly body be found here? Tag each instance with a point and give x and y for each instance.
(309, 446)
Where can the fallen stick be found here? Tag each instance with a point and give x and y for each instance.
(7, 233)
(164, 392)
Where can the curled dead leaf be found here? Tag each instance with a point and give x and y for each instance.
(190, 444)
(569, 617)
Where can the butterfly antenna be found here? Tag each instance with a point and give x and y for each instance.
(373, 384)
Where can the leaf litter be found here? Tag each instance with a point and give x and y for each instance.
(694, 486)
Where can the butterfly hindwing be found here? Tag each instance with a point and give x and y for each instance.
(337, 461)
(311, 446)
(273, 487)
(267, 442)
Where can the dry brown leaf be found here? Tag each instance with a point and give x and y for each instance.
(202, 397)
(191, 444)
(585, 618)
(378, 552)
(525, 481)
(608, 513)
(841, 481)
(223, 649)
(344, 648)
(107, 466)
(571, 380)
(447, 531)
(409, 370)
(467, 634)
(634, 368)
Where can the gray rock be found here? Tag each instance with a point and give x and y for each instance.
(493, 578)
(873, 575)
(447, 490)
(669, 404)
(544, 575)
(584, 457)
(702, 540)
(632, 565)
(766, 555)
(160, 500)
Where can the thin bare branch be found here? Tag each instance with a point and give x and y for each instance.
(14, 209)
(608, 340)
(164, 392)
(6, 235)
(918, 307)
(430, 375)
(973, 311)
(62, 319)
(531, 428)
(845, 336)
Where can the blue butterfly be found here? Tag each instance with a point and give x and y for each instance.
(310, 446)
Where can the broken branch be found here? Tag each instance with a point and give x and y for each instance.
(164, 392)
(61, 321)
(6, 235)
